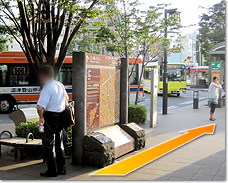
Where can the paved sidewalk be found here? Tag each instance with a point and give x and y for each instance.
(201, 159)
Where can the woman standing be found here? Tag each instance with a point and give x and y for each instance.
(213, 96)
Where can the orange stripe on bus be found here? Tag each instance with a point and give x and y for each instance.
(25, 97)
(32, 97)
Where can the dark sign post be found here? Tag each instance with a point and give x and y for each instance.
(79, 84)
(124, 91)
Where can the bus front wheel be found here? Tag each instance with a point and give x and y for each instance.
(178, 94)
(6, 105)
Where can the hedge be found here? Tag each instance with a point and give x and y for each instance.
(137, 113)
(24, 128)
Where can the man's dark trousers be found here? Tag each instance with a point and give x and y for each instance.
(52, 139)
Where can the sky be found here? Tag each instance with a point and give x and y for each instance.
(189, 9)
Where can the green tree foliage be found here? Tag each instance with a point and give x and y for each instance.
(2, 44)
(86, 44)
(37, 26)
(116, 34)
(149, 34)
(108, 38)
(212, 27)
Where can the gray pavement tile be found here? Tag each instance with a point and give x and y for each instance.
(10, 176)
(221, 172)
(201, 162)
(154, 172)
(215, 161)
(211, 172)
(139, 176)
(26, 177)
(162, 178)
(202, 177)
(219, 178)
(177, 179)
(158, 177)
(193, 168)
(211, 166)
(183, 174)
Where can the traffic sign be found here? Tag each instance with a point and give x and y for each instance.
(215, 65)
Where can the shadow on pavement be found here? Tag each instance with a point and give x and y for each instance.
(209, 168)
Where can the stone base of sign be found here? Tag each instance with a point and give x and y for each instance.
(98, 150)
(137, 133)
(103, 146)
(124, 143)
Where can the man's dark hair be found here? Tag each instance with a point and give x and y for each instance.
(214, 78)
(47, 70)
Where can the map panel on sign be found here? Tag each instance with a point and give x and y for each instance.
(103, 90)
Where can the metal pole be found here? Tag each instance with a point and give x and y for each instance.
(165, 75)
(79, 97)
(124, 91)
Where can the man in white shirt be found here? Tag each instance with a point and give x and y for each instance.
(50, 107)
(213, 96)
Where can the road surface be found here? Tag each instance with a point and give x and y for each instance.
(175, 102)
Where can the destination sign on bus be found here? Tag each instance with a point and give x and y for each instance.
(176, 66)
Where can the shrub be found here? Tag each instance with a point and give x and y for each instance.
(137, 113)
(24, 128)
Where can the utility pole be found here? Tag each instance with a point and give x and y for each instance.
(165, 75)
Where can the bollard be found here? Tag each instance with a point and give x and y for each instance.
(195, 99)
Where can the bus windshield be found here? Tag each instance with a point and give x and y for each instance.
(176, 74)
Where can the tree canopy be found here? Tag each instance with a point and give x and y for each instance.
(212, 27)
(37, 26)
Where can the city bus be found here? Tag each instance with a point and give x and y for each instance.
(18, 86)
(176, 78)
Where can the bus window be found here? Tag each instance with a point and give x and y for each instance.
(18, 75)
(147, 74)
(4, 75)
(65, 76)
(176, 75)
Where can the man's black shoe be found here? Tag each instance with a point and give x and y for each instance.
(48, 174)
(62, 172)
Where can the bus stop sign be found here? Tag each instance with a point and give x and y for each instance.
(215, 66)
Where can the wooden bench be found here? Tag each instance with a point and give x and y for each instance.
(20, 143)
(19, 116)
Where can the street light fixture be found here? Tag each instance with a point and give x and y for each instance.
(165, 73)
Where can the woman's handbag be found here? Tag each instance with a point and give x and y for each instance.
(69, 119)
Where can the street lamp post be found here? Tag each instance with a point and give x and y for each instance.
(165, 73)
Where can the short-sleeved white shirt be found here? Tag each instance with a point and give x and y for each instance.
(52, 97)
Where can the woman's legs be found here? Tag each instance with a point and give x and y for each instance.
(212, 111)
